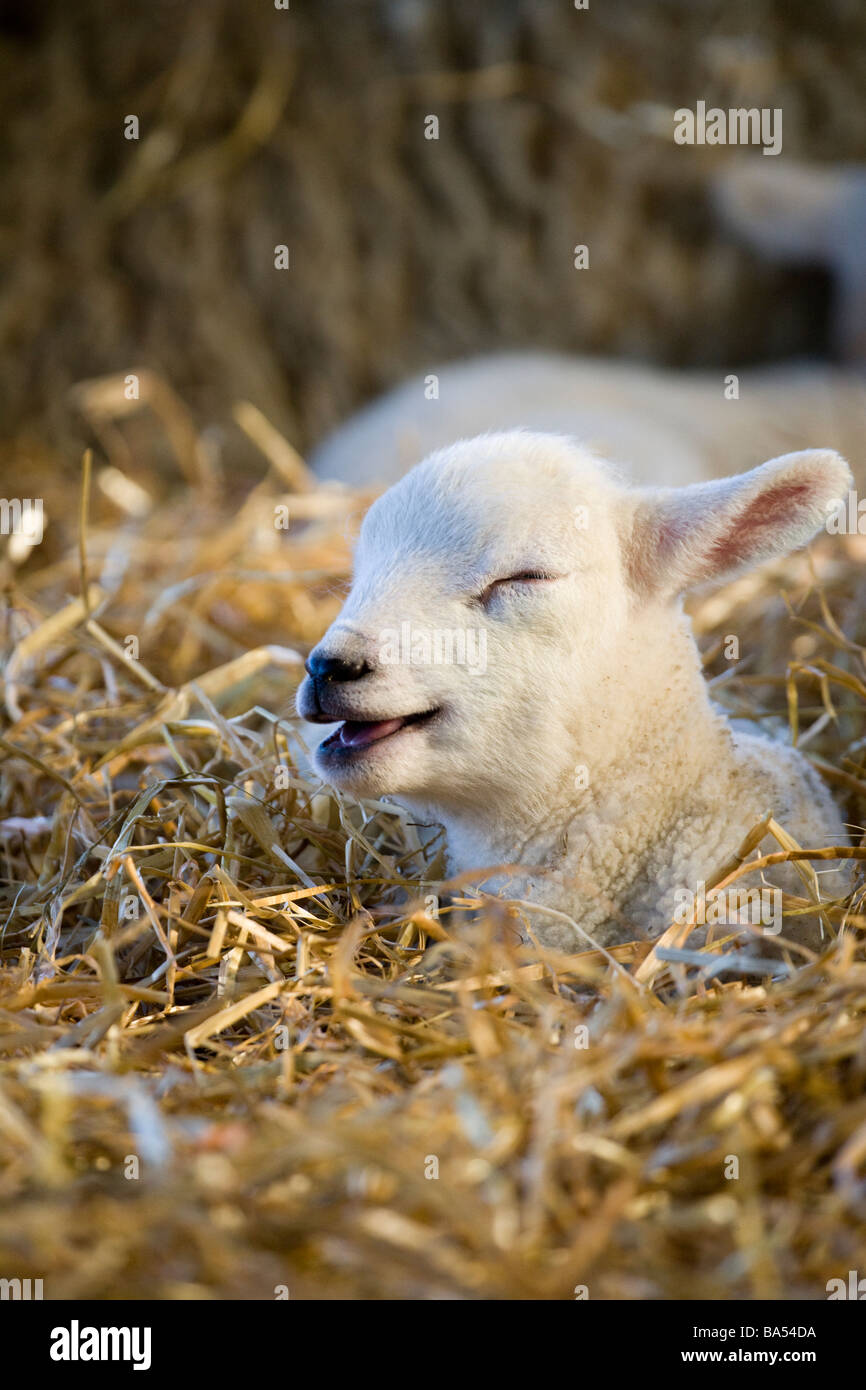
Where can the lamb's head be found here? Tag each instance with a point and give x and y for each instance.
(498, 589)
(481, 599)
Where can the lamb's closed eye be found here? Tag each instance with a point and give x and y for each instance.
(524, 579)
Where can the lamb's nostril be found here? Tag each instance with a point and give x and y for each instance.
(334, 668)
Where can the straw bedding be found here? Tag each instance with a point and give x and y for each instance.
(250, 1046)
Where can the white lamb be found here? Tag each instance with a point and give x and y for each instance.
(659, 425)
(570, 732)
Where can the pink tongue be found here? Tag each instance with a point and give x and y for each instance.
(357, 735)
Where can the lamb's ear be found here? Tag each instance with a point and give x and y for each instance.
(680, 537)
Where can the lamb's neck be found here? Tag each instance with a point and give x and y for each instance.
(655, 740)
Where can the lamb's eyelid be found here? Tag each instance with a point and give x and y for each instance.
(527, 576)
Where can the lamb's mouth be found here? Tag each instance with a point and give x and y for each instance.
(356, 735)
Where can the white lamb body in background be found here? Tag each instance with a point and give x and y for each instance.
(660, 426)
(583, 746)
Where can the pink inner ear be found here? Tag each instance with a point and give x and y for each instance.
(758, 529)
(657, 547)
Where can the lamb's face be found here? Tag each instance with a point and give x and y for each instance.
(487, 590)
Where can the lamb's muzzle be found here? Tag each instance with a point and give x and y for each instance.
(320, 702)
(583, 746)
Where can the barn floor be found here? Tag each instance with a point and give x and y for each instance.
(241, 1055)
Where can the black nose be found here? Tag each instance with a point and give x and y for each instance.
(334, 668)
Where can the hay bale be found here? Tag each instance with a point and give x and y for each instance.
(305, 128)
